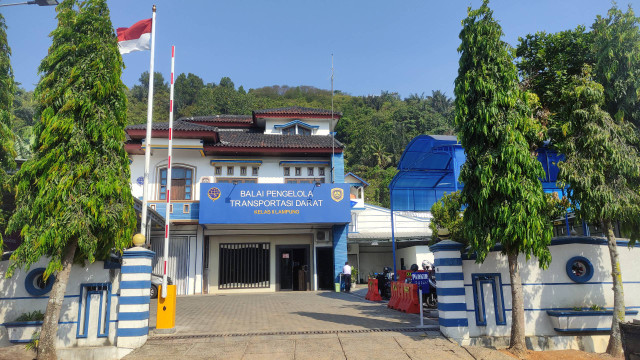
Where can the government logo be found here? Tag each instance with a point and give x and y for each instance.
(337, 194)
(213, 193)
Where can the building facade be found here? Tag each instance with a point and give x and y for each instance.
(369, 238)
(258, 202)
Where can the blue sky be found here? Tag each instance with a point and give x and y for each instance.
(404, 46)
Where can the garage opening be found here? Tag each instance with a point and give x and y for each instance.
(244, 266)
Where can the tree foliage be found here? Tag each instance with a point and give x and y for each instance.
(602, 163)
(592, 108)
(616, 50)
(7, 153)
(447, 217)
(76, 185)
(503, 193)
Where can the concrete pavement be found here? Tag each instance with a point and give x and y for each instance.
(365, 346)
(280, 312)
(298, 325)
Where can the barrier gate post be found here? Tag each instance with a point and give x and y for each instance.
(421, 308)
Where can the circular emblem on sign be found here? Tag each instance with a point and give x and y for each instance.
(213, 193)
(140, 180)
(337, 194)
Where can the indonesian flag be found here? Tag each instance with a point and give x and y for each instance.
(135, 38)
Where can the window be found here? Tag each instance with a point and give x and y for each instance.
(254, 171)
(218, 170)
(296, 129)
(243, 171)
(181, 183)
(579, 269)
(303, 181)
(229, 170)
(298, 171)
(310, 171)
(494, 281)
(287, 171)
(237, 181)
(321, 171)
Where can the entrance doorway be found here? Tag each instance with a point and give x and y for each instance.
(293, 267)
(324, 258)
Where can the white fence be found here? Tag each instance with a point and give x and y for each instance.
(105, 304)
(562, 303)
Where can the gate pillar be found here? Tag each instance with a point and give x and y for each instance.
(452, 304)
(133, 305)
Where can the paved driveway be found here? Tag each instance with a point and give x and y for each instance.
(299, 325)
(361, 346)
(283, 312)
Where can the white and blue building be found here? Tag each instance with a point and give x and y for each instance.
(258, 202)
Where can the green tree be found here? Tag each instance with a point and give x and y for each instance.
(447, 219)
(138, 98)
(548, 62)
(616, 48)
(502, 191)
(602, 169)
(7, 152)
(73, 197)
(553, 66)
(186, 90)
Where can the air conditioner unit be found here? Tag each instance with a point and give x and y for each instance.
(322, 237)
(206, 179)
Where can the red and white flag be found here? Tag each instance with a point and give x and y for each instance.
(136, 37)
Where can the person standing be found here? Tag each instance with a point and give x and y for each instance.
(346, 275)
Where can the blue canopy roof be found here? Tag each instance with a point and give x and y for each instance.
(430, 167)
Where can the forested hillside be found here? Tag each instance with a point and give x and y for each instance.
(374, 129)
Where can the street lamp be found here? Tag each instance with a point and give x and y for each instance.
(34, 2)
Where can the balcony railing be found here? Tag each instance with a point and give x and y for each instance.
(184, 210)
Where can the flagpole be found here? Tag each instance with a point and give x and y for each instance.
(168, 213)
(147, 150)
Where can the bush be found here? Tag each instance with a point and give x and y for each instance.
(36, 315)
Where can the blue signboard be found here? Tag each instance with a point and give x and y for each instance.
(422, 279)
(224, 203)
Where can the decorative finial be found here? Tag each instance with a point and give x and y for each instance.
(138, 240)
(153, 8)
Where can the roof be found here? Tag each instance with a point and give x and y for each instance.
(220, 120)
(178, 125)
(357, 178)
(430, 167)
(295, 110)
(258, 139)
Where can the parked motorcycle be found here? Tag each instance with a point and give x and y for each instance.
(384, 283)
